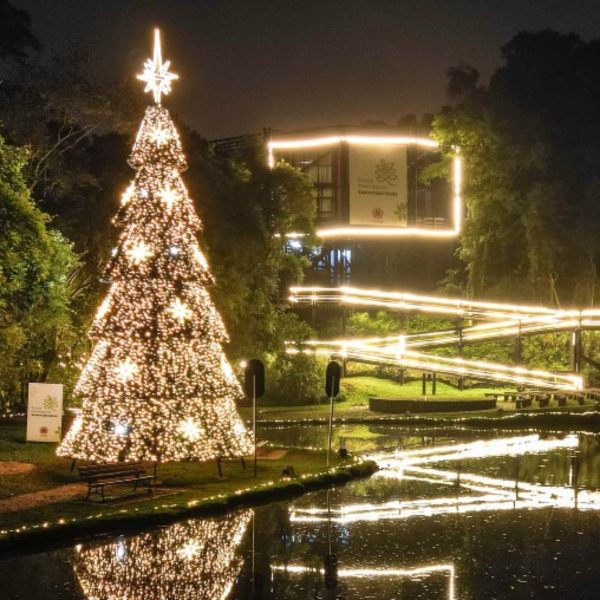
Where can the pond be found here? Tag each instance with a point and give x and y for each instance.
(447, 516)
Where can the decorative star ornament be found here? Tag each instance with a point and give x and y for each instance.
(156, 73)
(169, 197)
(126, 370)
(139, 253)
(190, 430)
(179, 310)
(189, 550)
(160, 136)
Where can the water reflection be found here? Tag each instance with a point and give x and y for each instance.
(361, 438)
(501, 517)
(193, 559)
(491, 494)
(416, 573)
(447, 481)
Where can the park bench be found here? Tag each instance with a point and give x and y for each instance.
(593, 393)
(542, 397)
(561, 399)
(523, 401)
(510, 396)
(100, 476)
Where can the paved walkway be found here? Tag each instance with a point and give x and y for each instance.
(15, 468)
(34, 499)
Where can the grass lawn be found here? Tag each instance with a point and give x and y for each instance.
(179, 482)
(358, 389)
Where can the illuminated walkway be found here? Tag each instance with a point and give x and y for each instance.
(496, 321)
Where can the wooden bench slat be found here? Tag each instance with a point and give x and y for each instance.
(117, 481)
(109, 475)
(108, 471)
(102, 475)
(112, 467)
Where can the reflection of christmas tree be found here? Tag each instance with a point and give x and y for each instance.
(194, 559)
(157, 385)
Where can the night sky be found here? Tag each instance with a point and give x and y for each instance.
(247, 64)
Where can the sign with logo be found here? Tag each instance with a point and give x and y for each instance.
(378, 185)
(44, 412)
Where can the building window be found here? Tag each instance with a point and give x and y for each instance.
(318, 166)
(325, 203)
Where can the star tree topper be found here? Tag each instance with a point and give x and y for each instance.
(156, 73)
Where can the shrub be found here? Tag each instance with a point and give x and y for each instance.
(295, 380)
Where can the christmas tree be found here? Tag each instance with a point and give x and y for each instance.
(157, 385)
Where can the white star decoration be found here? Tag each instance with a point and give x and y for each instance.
(190, 429)
(126, 370)
(190, 550)
(179, 310)
(139, 253)
(169, 196)
(156, 73)
(160, 136)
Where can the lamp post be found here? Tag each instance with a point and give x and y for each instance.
(332, 389)
(254, 387)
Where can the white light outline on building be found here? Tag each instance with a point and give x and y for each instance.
(374, 140)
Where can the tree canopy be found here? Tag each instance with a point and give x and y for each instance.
(529, 140)
(36, 324)
(247, 208)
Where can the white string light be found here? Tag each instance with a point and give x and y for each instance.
(156, 73)
(158, 365)
(505, 320)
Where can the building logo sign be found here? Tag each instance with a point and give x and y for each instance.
(377, 214)
(385, 172)
(44, 412)
(378, 185)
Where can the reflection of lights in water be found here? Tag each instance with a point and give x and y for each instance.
(494, 494)
(120, 551)
(344, 534)
(193, 559)
(480, 449)
(398, 510)
(189, 550)
(485, 494)
(551, 495)
(413, 573)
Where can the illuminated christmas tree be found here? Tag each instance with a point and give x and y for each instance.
(157, 385)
